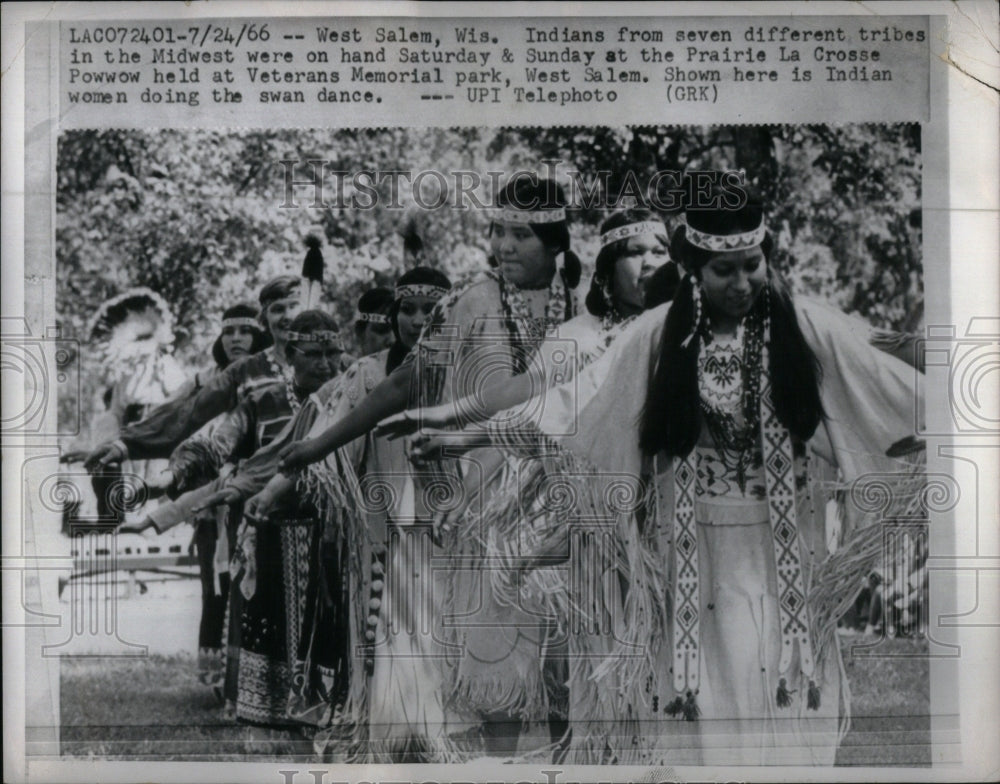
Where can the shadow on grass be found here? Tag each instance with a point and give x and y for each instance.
(155, 708)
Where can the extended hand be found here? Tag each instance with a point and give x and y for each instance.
(226, 495)
(408, 422)
(135, 528)
(107, 453)
(259, 507)
(432, 445)
(160, 485)
(298, 454)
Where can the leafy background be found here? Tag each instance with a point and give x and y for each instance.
(202, 217)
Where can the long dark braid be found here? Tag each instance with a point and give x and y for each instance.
(672, 416)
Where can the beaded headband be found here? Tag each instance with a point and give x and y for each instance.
(632, 230)
(327, 336)
(725, 242)
(513, 215)
(420, 290)
(241, 321)
(372, 318)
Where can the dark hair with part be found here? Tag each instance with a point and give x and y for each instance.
(416, 276)
(261, 339)
(529, 192)
(672, 418)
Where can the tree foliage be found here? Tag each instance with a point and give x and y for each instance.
(204, 217)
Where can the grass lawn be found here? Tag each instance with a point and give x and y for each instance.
(890, 702)
(155, 708)
(121, 708)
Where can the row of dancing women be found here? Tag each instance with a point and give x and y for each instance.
(527, 526)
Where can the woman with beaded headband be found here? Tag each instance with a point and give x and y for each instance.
(192, 464)
(633, 273)
(732, 624)
(499, 674)
(270, 570)
(359, 490)
(241, 335)
(394, 710)
(492, 324)
(272, 566)
(372, 327)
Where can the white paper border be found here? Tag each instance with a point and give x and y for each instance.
(970, 203)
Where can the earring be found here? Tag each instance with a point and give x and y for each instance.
(767, 314)
(606, 296)
(697, 313)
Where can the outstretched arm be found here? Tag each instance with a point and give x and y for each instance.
(170, 423)
(501, 394)
(388, 398)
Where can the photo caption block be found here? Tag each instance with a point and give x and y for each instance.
(364, 72)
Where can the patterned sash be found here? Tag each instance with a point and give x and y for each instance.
(779, 469)
(686, 595)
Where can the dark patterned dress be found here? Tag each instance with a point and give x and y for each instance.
(268, 594)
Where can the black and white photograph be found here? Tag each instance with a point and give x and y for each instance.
(454, 394)
(311, 583)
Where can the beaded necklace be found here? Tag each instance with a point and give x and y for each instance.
(287, 375)
(526, 330)
(760, 417)
(729, 386)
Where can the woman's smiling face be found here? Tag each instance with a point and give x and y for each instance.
(732, 281)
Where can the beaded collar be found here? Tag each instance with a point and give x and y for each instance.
(287, 376)
(526, 330)
(729, 388)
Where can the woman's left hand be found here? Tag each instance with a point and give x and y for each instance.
(410, 421)
(298, 455)
(226, 495)
(432, 445)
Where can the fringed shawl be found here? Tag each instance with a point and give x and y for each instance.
(592, 425)
(348, 508)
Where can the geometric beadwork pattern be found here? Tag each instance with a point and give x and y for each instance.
(686, 594)
(779, 469)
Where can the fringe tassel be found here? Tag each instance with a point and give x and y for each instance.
(332, 487)
(845, 700)
(835, 582)
(674, 707)
(691, 709)
(812, 699)
(555, 494)
(525, 699)
(784, 696)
